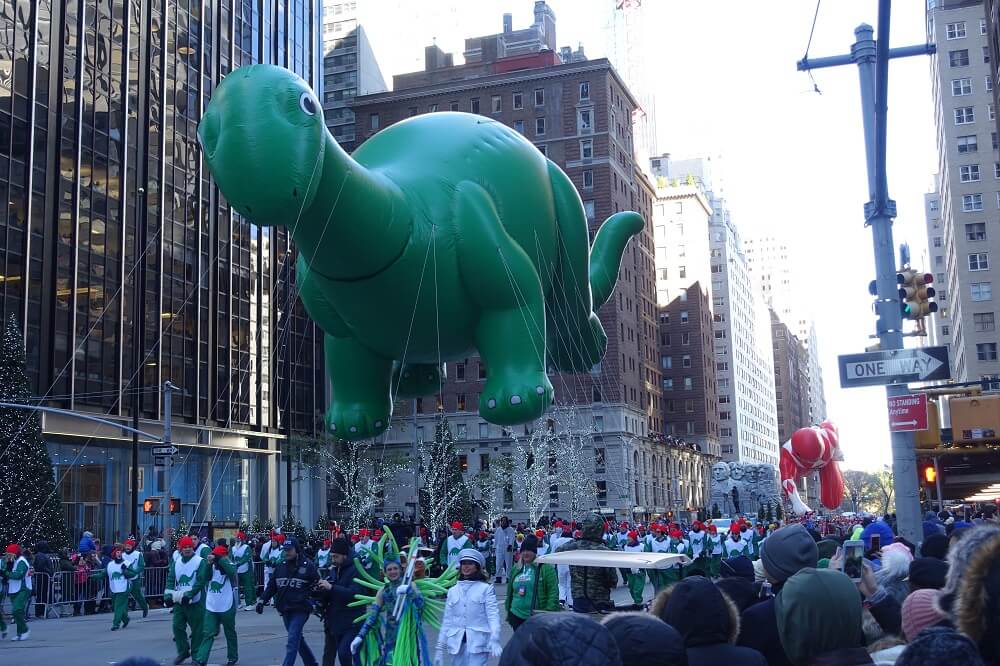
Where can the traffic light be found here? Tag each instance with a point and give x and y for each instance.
(928, 473)
(915, 294)
(151, 505)
(175, 505)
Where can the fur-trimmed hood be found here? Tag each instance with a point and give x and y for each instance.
(976, 606)
(697, 609)
(960, 556)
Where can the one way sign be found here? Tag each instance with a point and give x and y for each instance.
(894, 366)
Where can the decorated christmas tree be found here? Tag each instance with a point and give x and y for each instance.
(30, 507)
(444, 495)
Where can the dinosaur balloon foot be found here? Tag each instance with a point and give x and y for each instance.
(358, 420)
(512, 399)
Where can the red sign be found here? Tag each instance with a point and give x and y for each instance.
(908, 412)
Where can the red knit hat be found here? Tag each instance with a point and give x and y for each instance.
(130, 542)
(185, 542)
(633, 535)
(13, 549)
(355, 538)
(734, 528)
(241, 536)
(713, 529)
(378, 534)
(280, 538)
(220, 551)
(540, 533)
(482, 535)
(327, 542)
(362, 533)
(675, 534)
(457, 525)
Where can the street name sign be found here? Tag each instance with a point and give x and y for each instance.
(163, 461)
(894, 366)
(165, 450)
(908, 413)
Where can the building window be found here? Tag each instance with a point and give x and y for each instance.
(519, 126)
(583, 121)
(938, 240)
(982, 26)
(539, 126)
(995, 140)
(689, 405)
(463, 431)
(989, 84)
(596, 393)
(460, 401)
(983, 322)
(432, 108)
(588, 208)
(684, 316)
(968, 173)
(517, 100)
(587, 149)
(986, 54)
(463, 463)
(667, 362)
(982, 291)
(688, 383)
(588, 179)
(373, 121)
(722, 366)
(484, 462)
(725, 416)
(979, 261)
(484, 431)
(482, 370)
(726, 432)
(965, 115)
(598, 423)
(459, 372)
(967, 144)
(542, 148)
(497, 103)
(996, 169)
(975, 231)
(454, 106)
(668, 384)
(955, 30)
(685, 339)
(686, 361)
(723, 399)
(584, 90)
(959, 58)
(986, 351)
(602, 491)
(991, 112)
(540, 93)
(972, 202)
(961, 87)
(474, 105)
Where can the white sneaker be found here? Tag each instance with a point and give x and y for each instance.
(24, 636)
(249, 608)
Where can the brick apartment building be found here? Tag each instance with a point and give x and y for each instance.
(578, 113)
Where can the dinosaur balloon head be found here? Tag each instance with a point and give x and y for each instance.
(264, 140)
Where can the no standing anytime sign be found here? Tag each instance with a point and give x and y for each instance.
(908, 412)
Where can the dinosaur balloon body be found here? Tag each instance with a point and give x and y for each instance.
(443, 235)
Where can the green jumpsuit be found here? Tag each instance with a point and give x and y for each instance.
(137, 564)
(119, 576)
(19, 591)
(186, 581)
(243, 559)
(220, 608)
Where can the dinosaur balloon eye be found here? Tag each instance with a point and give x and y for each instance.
(307, 104)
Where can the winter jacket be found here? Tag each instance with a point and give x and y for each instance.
(818, 611)
(591, 586)
(291, 584)
(644, 639)
(546, 592)
(471, 616)
(556, 639)
(86, 545)
(708, 621)
(338, 617)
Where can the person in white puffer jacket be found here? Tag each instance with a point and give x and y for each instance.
(470, 628)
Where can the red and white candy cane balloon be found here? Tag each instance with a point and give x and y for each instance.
(813, 449)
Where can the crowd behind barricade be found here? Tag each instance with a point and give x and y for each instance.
(819, 591)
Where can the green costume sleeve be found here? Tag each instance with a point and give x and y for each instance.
(510, 587)
(246, 557)
(130, 574)
(100, 574)
(227, 567)
(171, 579)
(548, 590)
(140, 564)
(19, 572)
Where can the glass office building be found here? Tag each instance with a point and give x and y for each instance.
(125, 266)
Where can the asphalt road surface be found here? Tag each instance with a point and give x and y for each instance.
(89, 641)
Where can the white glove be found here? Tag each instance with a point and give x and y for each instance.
(402, 590)
(495, 648)
(356, 644)
(178, 595)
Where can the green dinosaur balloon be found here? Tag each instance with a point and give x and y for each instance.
(444, 234)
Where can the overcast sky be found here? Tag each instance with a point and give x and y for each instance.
(723, 74)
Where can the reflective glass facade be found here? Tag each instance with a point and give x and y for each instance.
(109, 200)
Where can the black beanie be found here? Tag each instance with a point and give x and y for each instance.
(340, 547)
(928, 572)
(940, 645)
(530, 544)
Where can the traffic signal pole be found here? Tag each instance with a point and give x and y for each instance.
(872, 58)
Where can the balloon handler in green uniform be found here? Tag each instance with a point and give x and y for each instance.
(16, 573)
(443, 217)
(119, 575)
(220, 607)
(186, 580)
(242, 557)
(133, 558)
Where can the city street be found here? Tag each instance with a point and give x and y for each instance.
(89, 641)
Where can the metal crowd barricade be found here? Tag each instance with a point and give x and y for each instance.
(66, 593)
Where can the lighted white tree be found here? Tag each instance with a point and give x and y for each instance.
(444, 494)
(357, 471)
(487, 488)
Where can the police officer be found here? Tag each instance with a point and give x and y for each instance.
(291, 586)
(336, 592)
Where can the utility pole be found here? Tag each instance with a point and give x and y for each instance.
(138, 347)
(872, 58)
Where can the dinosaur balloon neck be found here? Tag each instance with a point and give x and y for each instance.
(358, 223)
